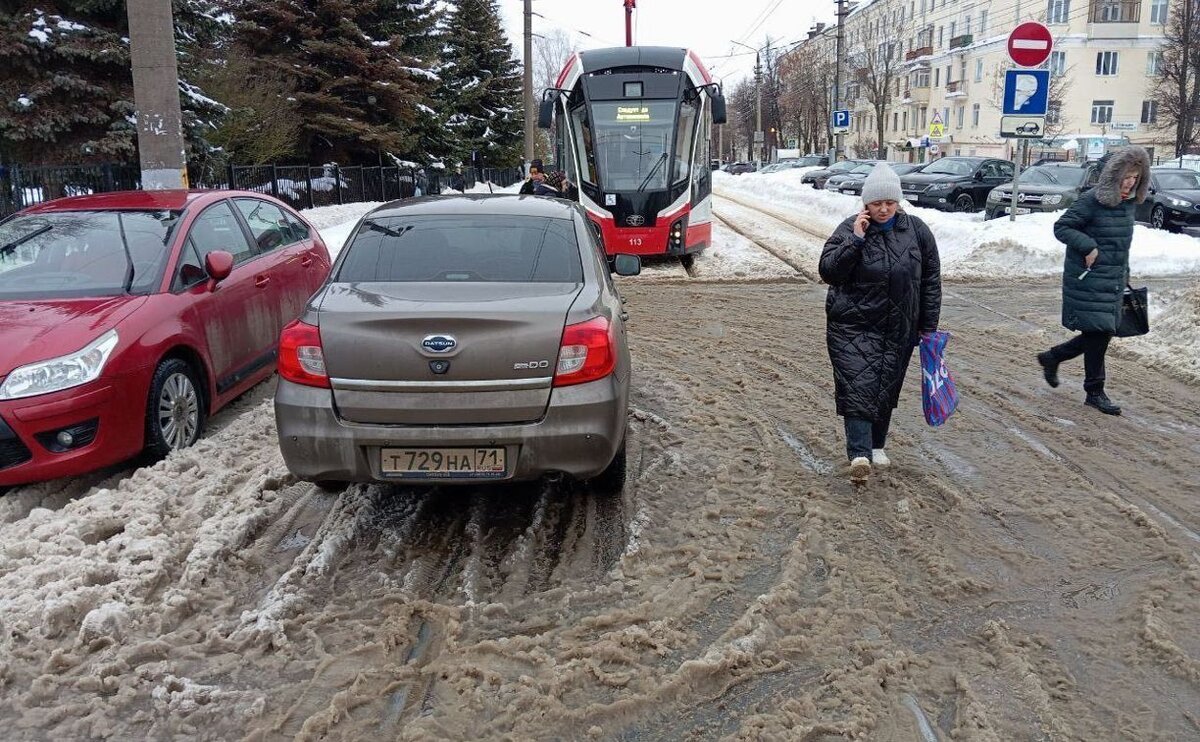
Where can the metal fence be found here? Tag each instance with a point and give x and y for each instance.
(302, 186)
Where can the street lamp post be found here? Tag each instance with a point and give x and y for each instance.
(758, 132)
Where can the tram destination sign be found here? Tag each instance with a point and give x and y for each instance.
(633, 114)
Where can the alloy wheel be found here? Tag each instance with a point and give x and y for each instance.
(178, 411)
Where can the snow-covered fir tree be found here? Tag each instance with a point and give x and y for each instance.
(359, 70)
(481, 84)
(66, 95)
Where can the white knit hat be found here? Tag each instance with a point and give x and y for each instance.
(882, 184)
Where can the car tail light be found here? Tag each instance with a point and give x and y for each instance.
(301, 360)
(588, 353)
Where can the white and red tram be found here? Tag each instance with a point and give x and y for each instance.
(632, 129)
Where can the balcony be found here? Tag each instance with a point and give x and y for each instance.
(1115, 11)
(918, 96)
(920, 51)
(1114, 19)
(962, 41)
(956, 89)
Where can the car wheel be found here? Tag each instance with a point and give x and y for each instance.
(612, 480)
(175, 412)
(1158, 218)
(964, 203)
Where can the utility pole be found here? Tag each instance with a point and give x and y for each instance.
(630, 5)
(837, 74)
(758, 130)
(530, 120)
(156, 95)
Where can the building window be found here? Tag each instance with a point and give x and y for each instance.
(905, 120)
(937, 77)
(895, 122)
(946, 116)
(975, 116)
(941, 35)
(1054, 112)
(978, 70)
(1106, 63)
(1149, 112)
(1059, 11)
(1154, 63)
(962, 117)
(967, 26)
(1116, 11)
(924, 117)
(983, 21)
(953, 26)
(1158, 11)
(1102, 111)
(1058, 63)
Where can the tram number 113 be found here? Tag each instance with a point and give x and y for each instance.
(635, 241)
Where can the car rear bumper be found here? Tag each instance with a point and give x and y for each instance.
(28, 427)
(579, 434)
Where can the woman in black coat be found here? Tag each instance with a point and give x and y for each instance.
(1097, 230)
(885, 289)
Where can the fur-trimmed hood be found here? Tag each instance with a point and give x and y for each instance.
(1108, 188)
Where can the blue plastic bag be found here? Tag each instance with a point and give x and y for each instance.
(939, 396)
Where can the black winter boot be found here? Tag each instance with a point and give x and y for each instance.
(1101, 402)
(1049, 368)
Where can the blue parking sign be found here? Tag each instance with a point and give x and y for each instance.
(1026, 92)
(841, 119)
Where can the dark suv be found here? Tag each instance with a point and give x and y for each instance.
(956, 183)
(1174, 199)
(1048, 187)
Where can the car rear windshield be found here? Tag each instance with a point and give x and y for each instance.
(463, 248)
(66, 254)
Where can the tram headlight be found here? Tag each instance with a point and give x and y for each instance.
(676, 234)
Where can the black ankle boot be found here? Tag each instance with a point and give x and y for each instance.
(1049, 368)
(1101, 402)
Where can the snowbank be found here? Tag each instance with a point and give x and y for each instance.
(970, 247)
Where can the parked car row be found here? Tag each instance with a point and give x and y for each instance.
(982, 183)
(456, 339)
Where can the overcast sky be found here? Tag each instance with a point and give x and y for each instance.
(706, 26)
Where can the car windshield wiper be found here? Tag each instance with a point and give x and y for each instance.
(128, 255)
(387, 230)
(6, 249)
(661, 159)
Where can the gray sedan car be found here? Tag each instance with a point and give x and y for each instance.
(457, 340)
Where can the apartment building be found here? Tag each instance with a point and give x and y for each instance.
(951, 57)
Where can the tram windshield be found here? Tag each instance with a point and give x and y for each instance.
(632, 141)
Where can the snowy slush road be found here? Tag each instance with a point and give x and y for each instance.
(1032, 570)
(1029, 571)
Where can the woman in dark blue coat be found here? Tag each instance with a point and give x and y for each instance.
(885, 289)
(1097, 230)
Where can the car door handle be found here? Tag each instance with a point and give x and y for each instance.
(307, 260)
(261, 281)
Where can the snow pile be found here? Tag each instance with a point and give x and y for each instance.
(1174, 340)
(970, 247)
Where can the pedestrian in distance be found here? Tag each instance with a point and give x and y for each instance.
(458, 181)
(537, 175)
(885, 291)
(1097, 230)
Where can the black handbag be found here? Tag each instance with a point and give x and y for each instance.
(1135, 317)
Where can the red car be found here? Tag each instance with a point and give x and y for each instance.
(126, 319)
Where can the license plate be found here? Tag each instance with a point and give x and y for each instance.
(1020, 210)
(911, 194)
(443, 463)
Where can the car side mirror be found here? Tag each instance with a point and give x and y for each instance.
(219, 265)
(627, 265)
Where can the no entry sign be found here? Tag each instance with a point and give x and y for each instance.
(1029, 44)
